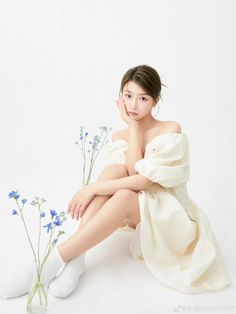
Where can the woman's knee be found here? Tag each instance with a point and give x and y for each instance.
(125, 194)
(113, 171)
(129, 199)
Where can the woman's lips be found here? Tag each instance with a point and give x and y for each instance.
(132, 114)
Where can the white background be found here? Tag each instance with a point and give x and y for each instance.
(61, 64)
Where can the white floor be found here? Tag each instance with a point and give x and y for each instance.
(115, 283)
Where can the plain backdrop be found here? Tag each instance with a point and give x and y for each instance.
(61, 64)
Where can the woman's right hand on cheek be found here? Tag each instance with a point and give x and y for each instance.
(123, 112)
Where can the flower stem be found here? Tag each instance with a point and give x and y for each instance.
(93, 160)
(48, 250)
(39, 238)
(27, 233)
(38, 288)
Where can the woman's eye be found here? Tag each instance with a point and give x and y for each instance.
(129, 96)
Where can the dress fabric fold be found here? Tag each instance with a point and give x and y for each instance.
(174, 237)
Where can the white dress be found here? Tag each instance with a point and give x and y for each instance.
(173, 237)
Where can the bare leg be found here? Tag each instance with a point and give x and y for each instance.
(70, 250)
(102, 224)
(110, 172)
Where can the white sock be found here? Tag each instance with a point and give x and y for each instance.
(52, 266)
(20, 283)
(17, 281)
(67, 280)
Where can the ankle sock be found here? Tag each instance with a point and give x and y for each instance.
(67, 280)
(52, 266)
(21, 281)
(18, 281)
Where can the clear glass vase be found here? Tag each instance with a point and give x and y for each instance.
(38, 296)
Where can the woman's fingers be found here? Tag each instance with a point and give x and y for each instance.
(72, 209)
(123, 106)
(81, 212)
(120, 105)
(76, 211)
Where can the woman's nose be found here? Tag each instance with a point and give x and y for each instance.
(133, 104)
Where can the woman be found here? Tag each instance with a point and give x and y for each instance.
(148, 170)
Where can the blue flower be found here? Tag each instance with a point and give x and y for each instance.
(57, 221)
(14, 212)
(14, 194)
(53, 212)
(48, 226)
(24, 201)
(96, 140)
(42, 214)
(86, 133)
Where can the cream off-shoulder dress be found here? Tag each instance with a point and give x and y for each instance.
(173, 237)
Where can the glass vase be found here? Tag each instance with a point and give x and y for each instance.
(38, 296)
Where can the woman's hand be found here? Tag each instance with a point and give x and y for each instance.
(80, 201)
(123, 112)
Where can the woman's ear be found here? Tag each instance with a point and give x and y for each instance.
(158, 98)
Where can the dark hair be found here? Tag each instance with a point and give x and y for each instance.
(146, 77)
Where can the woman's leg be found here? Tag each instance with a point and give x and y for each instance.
(123, 204)
(56, 260)
(113, 171)
(68, 280)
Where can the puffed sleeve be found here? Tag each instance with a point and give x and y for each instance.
(116, 151)
(166, 160)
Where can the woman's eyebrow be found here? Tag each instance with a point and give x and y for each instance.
(132, 93)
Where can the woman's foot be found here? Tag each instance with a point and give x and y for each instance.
(17, 283)
(20, 283)
(67, 280)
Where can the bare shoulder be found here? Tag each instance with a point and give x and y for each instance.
(118, 135)
(174, 126)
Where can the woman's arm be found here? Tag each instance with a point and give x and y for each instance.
(135, 182)
(135, 141)
(134, 152)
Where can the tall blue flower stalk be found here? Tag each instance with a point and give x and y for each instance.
(56, 220)
(96, 144)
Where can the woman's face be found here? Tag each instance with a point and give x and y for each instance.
(136, 100)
